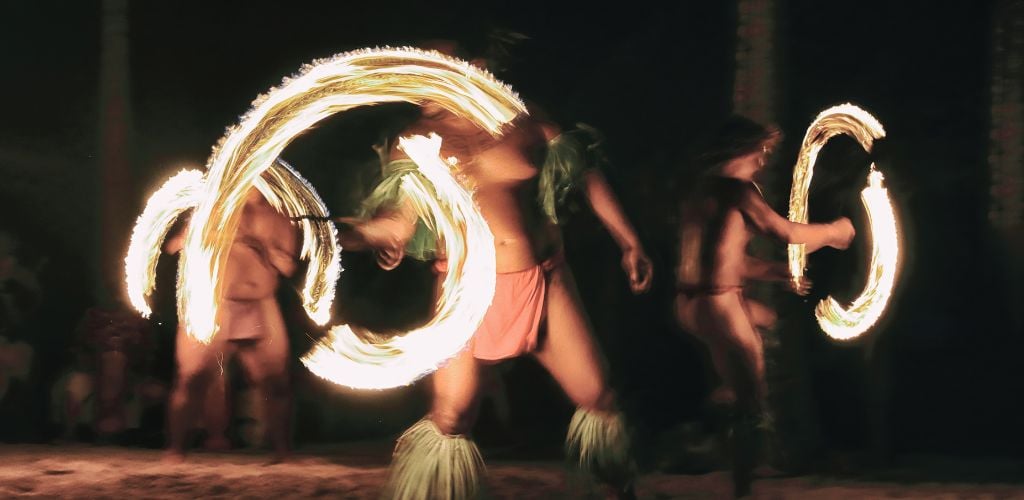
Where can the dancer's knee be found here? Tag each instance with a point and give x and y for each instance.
(599, 399)
(452, 422)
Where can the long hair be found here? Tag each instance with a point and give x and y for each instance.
(736, 137)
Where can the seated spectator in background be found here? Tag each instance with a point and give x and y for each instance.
(19, 298)
(108, 386)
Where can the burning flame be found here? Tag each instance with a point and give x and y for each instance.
(283, 188)
(466, 294)
(836, 321)
(178, 194)
(249, 150)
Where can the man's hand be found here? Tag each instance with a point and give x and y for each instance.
(355, 234)
(638, 268)
(349, 235)
(390, 258)
(844, 233)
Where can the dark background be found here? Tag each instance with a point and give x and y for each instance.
(652, 78)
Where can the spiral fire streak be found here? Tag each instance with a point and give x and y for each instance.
(466, 293)
(322, 89)
(847, 323)
(282, 187)
(178, 194)
(836, 321)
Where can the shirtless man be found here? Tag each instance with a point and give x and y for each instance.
(250, 325)
(721, 213)
(534, 289)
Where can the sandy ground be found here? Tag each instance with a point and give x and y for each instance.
(357, 471)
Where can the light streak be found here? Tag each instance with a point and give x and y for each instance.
(864, 311)
(466, 294)
(178, 194)
(283, 188)
(846, 323)
(320, 90)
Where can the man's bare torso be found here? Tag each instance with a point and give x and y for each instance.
(713, 237)
(264, 249)
(503, 174)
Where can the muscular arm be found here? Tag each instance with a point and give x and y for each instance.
(386, 232)
(392, 227)
(271, 235)
(602, 200)
(836, 234)
(607, 209)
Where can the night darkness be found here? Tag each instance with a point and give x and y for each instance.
(943, 363)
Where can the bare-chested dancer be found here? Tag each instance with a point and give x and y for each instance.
(721, 213)
(250, 325)
(535, 290)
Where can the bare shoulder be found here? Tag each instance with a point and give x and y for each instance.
(548, 129)
(727, 191)
(543, 123)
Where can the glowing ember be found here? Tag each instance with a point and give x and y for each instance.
(836, 321)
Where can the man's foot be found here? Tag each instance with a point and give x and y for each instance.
(173, 457)
(279, 458)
